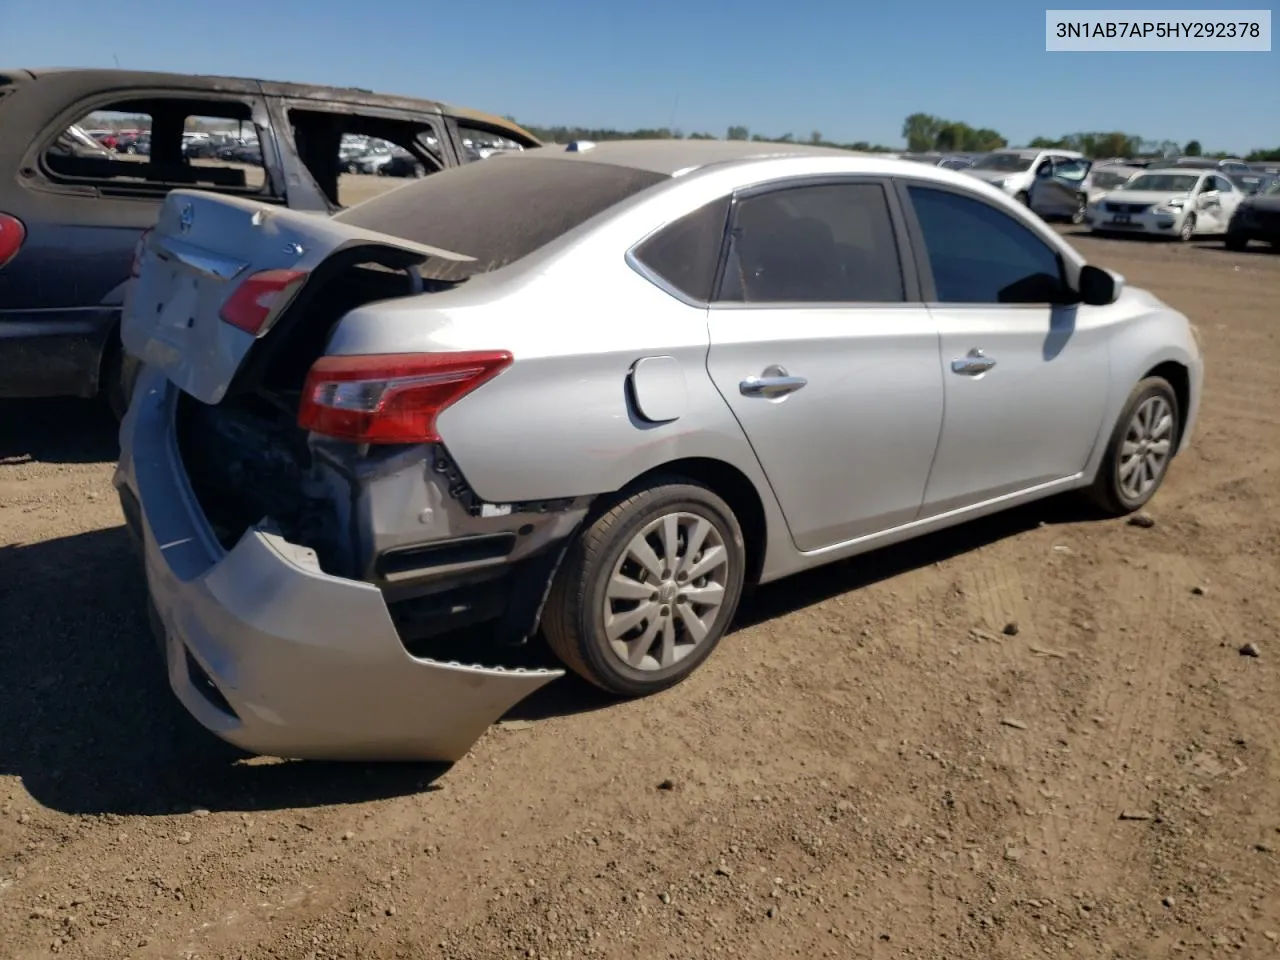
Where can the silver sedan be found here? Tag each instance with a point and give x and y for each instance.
(594, 394)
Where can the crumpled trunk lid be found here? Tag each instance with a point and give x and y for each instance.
(202, 248)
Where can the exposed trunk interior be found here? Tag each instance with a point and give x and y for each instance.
(246, 458)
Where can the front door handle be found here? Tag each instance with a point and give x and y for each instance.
(973, 363)
(776, 382)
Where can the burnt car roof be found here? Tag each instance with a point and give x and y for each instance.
(105, 79)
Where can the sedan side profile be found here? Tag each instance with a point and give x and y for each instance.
(595, 393)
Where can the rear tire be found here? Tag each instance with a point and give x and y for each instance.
(624, 612)
(1188, 228)
(1236, 242)
(1141, 447)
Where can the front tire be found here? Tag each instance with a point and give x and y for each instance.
(1141, 447)
(647, 591)
(1188, 228)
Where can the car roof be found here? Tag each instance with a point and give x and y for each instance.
(108, 79)
(1185, 171)
(669, 157)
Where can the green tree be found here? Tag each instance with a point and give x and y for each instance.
(738, 133)
(920, 130)
(815, 138)
(1193, 148)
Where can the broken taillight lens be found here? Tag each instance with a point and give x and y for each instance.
(138, 249)
(261, 296)
(391, 398)
(12, 233)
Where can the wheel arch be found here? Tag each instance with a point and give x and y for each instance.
(732, 486)
(1178, 377)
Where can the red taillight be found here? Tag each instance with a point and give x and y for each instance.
(259, 297)
(391, 398)
(12, 233)
(137, 252)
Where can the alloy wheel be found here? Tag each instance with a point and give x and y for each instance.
(1147, 445)
(666, 591)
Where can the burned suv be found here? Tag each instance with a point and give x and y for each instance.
(74, 201)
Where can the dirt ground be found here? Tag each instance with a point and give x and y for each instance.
(875, 764)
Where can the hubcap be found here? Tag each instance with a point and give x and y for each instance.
(1146, 448)
(666, 591)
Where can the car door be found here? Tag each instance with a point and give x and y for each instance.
(1025, 380)
(1228, 197)
(1058, 189)
(829, 361)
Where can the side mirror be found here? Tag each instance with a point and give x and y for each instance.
(1099, 287)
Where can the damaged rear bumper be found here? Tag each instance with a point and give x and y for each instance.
(275, 656)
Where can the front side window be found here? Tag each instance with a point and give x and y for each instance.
(979, 254)
(826, 243)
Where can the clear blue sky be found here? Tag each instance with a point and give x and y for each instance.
(850, 70)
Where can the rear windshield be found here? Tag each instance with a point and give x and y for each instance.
(498, 211)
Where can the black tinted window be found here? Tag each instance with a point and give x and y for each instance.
(822, 244)
(685, 253)
(498, 211)
(978, 254)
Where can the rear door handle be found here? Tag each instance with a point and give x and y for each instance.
(776, 382)
(972, 364)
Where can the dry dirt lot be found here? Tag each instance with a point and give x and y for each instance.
(873, 765)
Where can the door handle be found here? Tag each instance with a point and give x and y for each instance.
(776, 382)
(973, 363)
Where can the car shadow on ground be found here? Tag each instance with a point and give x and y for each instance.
(774, 600)
(88, 722)
(57, 431)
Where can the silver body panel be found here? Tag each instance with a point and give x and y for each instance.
(617, 376)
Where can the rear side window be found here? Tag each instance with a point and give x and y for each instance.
(352, 157)
(685, 253)
(499, 211)
(149, 146)
(828, 243)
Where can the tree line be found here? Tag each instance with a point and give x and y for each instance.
(924, 133)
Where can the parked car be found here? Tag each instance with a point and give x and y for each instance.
(1181, 202)
(1014, 171)
(79, 217)
(1256, 218)
(1061, 188)
(1065, 197)
(1253, 181)
(331, 466)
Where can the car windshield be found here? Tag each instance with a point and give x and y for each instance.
(499, 211)
(1163, 182)
(1007, 162)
